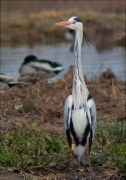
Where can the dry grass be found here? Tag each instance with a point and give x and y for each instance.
(27, 6)
(38, 25)
(43, 103)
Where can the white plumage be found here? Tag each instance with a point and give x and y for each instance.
(80, 122)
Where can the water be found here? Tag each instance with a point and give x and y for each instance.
(93, 62)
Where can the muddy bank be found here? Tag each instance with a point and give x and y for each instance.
(42, 103)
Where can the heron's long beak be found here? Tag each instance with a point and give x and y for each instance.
(64, 23)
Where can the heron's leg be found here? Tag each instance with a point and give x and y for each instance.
(72, 149)
(88, 156)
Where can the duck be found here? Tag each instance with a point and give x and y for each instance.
(32, 64)
(7, 82)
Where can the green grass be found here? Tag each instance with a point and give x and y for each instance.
(110, 145)
(28, 151)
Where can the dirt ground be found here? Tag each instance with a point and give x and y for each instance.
(42, 103)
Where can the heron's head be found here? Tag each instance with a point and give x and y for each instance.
(73, 23)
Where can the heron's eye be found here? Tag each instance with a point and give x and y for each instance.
(74, 22)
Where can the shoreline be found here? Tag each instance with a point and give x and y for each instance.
(105, 30)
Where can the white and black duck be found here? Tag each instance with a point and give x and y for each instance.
(7, 82)
(32, 64)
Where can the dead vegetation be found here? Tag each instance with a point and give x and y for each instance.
(43, 103)
(27, 7)
(104, 25)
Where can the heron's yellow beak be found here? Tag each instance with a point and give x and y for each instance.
(64, 23)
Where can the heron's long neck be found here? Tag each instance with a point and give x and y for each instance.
(79, 91)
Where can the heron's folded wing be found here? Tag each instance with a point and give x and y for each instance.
(67, 117)
(92, 110)
(67, 111)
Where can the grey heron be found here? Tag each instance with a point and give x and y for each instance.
(79, 108)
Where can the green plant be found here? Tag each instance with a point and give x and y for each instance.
(110, 145)
(29, 151)
(26, 150)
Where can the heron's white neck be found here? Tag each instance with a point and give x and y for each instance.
(79, 91)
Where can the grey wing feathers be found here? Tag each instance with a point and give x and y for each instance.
(92, 107)
(67, 111)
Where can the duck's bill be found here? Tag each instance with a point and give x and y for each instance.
(64, 23)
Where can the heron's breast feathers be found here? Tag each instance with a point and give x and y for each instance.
(79, 120)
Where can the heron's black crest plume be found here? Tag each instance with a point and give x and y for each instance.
(77, 19)
(87, 39)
